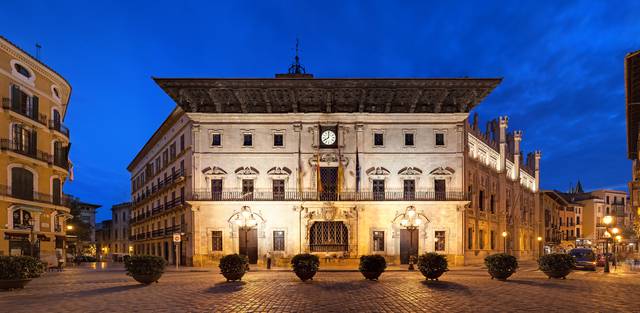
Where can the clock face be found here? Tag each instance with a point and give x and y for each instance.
(328, 137)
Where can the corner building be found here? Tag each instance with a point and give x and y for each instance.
(336, 167)
(34, 149)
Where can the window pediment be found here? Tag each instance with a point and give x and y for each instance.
(377, 171)
(410, 171)
(213, 171)
(442, 171)
(279, 171)
(247, 170)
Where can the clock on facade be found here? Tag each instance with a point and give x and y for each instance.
(328, 137)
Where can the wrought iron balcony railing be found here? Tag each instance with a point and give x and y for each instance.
(164, 183)
(177, 202)
(58, 126)
(62, 200)
(24, 111)
(270, 195)
(25, 149)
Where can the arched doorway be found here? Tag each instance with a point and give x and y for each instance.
(247, 222)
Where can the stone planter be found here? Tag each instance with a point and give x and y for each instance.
(432, 274)
(558, 273)
(9, 284)
(500, 275)
(147, 278)
(233, 276)
(371, 275)
(305, 275)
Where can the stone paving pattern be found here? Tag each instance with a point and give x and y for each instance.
(460, 290)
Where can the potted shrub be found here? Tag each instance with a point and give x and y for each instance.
(305, 265)
(372, 266)
(433, 265)
(17, 271)
(233, 266)
(145, 268)
(556, 265)
(501, 265)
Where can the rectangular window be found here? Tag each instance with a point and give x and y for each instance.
(440, 240)
(182, 142)
(378, 189)
(439, 139)
(247, 140)
(409, 189)
(216, 140)
(278, 240)
(492, 205)
(378, 241)
(247, 189)
(278, 189)
(172, 151)
(408, 139)
(470, 238)
(378, 139)
(481, 239)
(481, 200)
(216, 189)
(216, 240)
(165, 158)
(278, 140)
(578, 232)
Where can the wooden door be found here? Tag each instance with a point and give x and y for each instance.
(408, 244)
(249, 243)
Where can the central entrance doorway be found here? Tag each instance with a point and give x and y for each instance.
(248, 241)
(408, 244)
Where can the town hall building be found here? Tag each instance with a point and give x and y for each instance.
(335, 167)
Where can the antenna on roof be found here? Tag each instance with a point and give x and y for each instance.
(38, 47)
(296, 67)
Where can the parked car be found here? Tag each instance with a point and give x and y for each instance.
(84, 258)
(585, 258)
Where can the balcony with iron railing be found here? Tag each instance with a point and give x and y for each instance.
(270, 195)
(24, 111)
(162, 185)
(62, 200)
(59, 127)
(175, 203)
(25, 149)
(158, 233)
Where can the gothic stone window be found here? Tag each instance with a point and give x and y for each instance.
(216, 240)
(278, 240)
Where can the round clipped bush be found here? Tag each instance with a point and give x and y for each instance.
(17, 271)
(501, 265)
(145, 269)
(372, 266)
(556, 265)
(233, 266)
(305, 265)
(433, 265)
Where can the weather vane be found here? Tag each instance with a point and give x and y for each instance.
(296, 67)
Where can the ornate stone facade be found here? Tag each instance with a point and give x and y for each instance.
(260, 179)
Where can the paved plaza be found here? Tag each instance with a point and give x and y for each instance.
(460, 290)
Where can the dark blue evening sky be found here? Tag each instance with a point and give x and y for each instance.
(562, 65)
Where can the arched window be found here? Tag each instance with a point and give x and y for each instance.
(22, 70)
(21, 183)
(21, 219)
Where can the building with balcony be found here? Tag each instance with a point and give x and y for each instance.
(336, 167)
(34, 148)
(552, 203)
(632, 105)
(120, 215)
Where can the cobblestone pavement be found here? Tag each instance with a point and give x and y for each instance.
(460, 290)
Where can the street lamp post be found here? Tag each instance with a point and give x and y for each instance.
(539, 246)
(608, 234)
(504, 236)
(32, 240)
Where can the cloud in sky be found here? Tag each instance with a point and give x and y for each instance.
(562, 64)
